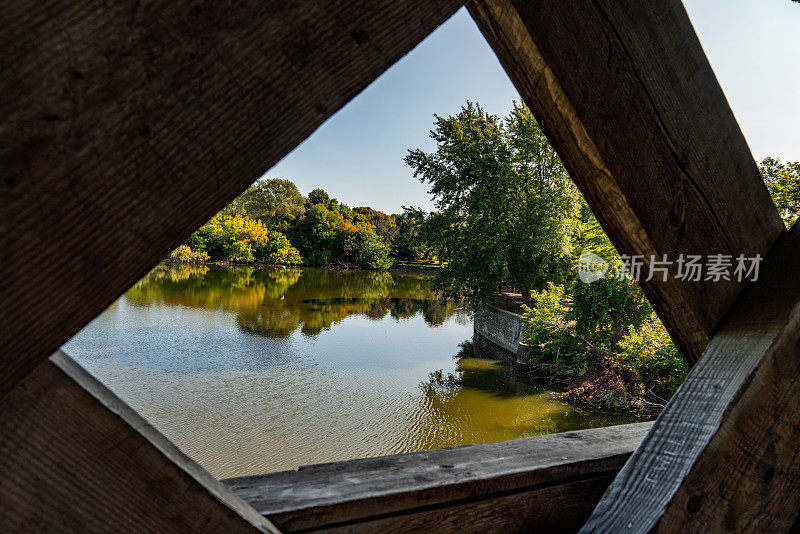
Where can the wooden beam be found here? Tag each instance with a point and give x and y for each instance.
(126, 125)
(75, 458)
(625, 94)
(551, 481)
(724, 455)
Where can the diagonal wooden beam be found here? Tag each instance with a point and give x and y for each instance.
(75, 458)
(625, 94)
(723, 455)
(126, 125)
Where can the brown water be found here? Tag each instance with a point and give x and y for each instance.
(257, 370)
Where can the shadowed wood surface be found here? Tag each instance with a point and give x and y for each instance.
(552, 482)
(724, 455)
(127, 125)
(624, 92)
(75, 458)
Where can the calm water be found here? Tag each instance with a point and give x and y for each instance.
(256, 370)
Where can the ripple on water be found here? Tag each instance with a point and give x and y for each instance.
(279, 370)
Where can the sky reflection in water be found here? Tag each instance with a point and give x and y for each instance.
(253, 370)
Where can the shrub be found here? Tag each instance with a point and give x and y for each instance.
(651, 353)
(185, 254)
(238, 239)
(278, 249)
(610, 341)
(363, 247)
(548, 334)
(238, 251)
(605, 309)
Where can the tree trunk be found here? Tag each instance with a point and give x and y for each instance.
(526, 296)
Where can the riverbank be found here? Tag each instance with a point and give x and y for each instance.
(421, 269)
(399, 267)
(600, 383)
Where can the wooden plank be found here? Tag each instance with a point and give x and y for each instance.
(724, 455)
(551, 509)
(552, 481)
(74, 457)
(126, 125)
(625, 94)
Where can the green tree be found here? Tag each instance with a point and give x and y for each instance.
(507, 210)
(275, 202)
(315, 235)
(409, 242)
(364, 248)
(278, 249)
(384, 225)
(319, 196)
(239, 239)
(783, 183)
(593, 239)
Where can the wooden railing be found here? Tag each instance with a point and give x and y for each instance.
(549, 482)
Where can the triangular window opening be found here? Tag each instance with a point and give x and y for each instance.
(252, 369)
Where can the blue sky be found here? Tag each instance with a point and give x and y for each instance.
(357, 155)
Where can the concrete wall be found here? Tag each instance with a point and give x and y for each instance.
(499, 329)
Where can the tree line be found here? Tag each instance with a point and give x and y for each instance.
(273, 223)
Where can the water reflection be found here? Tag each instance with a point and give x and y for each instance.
(274, 302)
(255, 370)
(463, 405)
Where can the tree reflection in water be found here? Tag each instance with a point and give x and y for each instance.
(275, 302)
(490, 400)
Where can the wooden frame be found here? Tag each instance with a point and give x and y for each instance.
(127, 126)
(124, 127)
(553, 481)
(118, 119)
(723, 455)
(75, 457)
(625, 94)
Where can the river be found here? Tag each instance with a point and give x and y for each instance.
(253, 370)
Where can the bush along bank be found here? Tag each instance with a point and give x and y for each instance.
(606, 342)
(236, 239)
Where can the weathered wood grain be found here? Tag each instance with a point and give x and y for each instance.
(75, 458)
(624, 92)
(126, 125)
(552, 482)
(549, 509)
(724, 455)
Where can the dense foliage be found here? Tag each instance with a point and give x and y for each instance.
(332, 233)
(239, 239)
(271, 222)
(608, 341)
(507, 214)
(783, 183)
(507, 211)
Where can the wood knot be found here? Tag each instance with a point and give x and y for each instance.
(694, 504)
(359, 36)
(677, 209)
